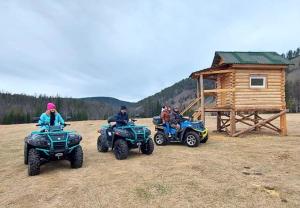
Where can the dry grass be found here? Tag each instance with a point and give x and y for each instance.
(259, 170)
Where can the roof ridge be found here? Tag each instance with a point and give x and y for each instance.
(250, 57)
(246, 52)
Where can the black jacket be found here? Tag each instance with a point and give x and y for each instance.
(122, 119)
(175, 118)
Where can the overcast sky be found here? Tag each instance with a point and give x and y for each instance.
(130, 49)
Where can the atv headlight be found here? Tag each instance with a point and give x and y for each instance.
(198, 125)
(39, 141)
(74, 139)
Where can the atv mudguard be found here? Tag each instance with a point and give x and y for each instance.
(118, 134)
(184, 130)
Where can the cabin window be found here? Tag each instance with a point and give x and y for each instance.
(258, 81)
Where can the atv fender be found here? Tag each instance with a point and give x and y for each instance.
(114, 139)
(118, 134)
(184, 131)
(203, 133)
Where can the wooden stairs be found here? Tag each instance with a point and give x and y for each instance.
(197, 113)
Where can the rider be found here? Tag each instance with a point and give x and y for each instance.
(50, 117)
(175, 118)
(122, 117)
(165, 117)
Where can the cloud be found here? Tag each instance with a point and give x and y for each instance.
(130, 49)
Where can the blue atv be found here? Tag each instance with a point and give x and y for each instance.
(52, 143)
(123, 138)
(190, 133)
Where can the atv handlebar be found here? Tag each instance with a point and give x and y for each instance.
(65, 124)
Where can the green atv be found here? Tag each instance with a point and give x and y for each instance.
(122, 139)
(53, 143)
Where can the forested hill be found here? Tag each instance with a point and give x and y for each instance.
(177, 94)
(180, 94)
(16, 108)
(116, 103)
(293, 81)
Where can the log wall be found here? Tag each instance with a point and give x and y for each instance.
(224, 81)
(272, 96)
(244, 97)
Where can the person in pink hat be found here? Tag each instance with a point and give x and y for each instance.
(50, 117)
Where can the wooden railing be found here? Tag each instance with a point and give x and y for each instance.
(197, 115)
(190, 105)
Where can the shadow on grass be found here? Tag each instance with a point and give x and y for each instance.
(48, 167)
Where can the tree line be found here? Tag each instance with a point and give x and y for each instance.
(20, 108)
(291, 54)
(292, 87)
(293, 96)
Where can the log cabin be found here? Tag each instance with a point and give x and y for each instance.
(247, 84)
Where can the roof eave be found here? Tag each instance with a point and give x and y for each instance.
(221, 67)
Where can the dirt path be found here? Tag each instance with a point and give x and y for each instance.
(253, 171)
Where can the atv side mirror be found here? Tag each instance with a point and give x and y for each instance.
(111, 119)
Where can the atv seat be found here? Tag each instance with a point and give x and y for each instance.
(157, 121)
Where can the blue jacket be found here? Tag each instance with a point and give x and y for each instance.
(122, 119)
(45, 119)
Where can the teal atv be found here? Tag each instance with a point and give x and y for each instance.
(122, 139)
(53, 143)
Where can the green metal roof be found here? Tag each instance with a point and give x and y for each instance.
(249, 58)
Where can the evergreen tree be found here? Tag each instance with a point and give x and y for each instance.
(289, 54)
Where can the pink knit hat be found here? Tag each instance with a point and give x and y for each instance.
(51, 106)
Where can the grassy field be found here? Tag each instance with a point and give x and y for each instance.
(257, 170)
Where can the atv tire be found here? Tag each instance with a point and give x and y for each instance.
(147, 147)
(102, 145)
(204, 140)
(121, 149)
(34, 162)
(192, 139)
(76, 157)
(25, 153)
(160, 139)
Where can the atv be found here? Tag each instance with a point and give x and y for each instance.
(123, 138)
(190, 133)
(52, 143)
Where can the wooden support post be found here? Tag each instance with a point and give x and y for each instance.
(256, 118)
(219, 121)
(202, 98)
(232, 123)
(198, 92)
(219, 100)
(283, 127)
